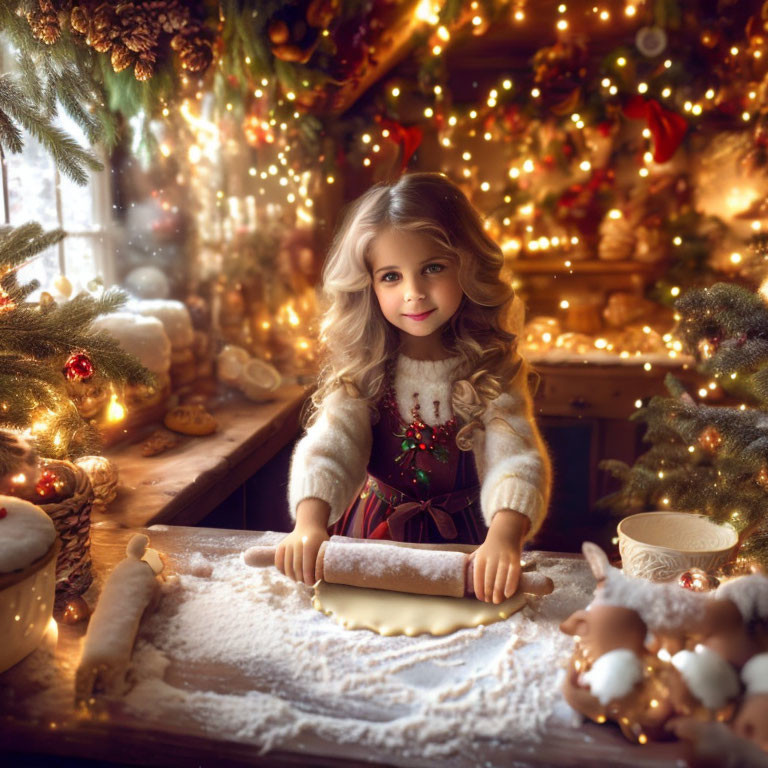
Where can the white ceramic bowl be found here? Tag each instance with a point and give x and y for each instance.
(661, 545)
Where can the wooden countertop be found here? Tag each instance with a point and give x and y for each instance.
(184, 484)
(37, 713)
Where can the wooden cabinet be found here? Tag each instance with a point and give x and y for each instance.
(583, 411)
(601, 391)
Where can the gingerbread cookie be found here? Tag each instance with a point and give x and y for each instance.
(190, 420)
(158, 442)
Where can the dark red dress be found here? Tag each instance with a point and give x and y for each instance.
(420, 488)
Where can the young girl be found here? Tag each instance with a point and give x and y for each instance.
(422, 428)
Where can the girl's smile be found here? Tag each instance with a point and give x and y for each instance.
(422, 316)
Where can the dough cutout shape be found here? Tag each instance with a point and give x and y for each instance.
(401, 613)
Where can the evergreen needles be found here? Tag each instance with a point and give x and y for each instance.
(710, 459)
(35, 342)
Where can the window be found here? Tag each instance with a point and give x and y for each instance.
(34, 190)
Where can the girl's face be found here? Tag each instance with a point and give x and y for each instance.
(417, 285)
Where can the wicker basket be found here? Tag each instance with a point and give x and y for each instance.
(70, 510)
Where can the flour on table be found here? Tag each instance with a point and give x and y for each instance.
(274, 668)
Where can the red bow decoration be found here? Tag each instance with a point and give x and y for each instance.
(408, 138)
(667, 128)
(404, 512)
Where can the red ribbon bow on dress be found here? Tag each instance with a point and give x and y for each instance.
(667, 128)
(402, 513)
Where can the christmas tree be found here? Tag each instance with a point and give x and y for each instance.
(704, 458)
(47, 350)
(45, 346)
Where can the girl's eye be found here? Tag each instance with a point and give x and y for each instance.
(434, 267)
(386, 278)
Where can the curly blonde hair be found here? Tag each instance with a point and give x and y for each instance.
(357, 341)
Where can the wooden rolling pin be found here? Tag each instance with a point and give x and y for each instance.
(113, 626)
(421, 571)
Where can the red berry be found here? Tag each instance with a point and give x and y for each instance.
(422, 446)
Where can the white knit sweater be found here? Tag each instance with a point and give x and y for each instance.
(330, 460)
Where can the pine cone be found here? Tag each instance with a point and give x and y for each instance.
(139, 40)
(44, 26)
(167, 14)
(197, 55)
(104, 19)
(122, 58)
(54, 6)
(175, 19)
(100, 41)
(79, 20)
(145, 66)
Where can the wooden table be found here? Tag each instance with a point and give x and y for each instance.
(184, 484)
(47, 723)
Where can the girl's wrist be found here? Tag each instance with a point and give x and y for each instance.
(312, 513)
(509, 525)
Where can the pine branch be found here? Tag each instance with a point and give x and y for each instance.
(54, 334)
(72, 96)
(30, 77)
(19, 244)
(10, 135)
(66, 152)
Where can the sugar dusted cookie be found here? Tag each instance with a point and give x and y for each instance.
(190, 420)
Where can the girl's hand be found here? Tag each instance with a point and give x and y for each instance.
(496, 562)
(296, 554)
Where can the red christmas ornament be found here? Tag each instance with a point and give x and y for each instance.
(3, 512)
(46, 485)
(697, 580)
(78, 367)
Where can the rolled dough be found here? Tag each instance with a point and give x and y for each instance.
(400, 613)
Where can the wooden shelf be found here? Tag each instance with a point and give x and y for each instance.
(187, 482)
(557, 266)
